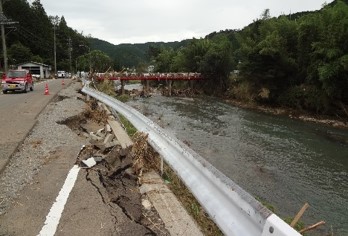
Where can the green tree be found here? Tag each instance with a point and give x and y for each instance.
(18, 53)
(331, 52)
(96, 60)
(164, 60)
(216, 65)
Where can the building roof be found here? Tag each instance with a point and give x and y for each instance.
(32, 62)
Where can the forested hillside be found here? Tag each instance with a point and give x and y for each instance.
(32, 38)
(298, 62)
(133, 55)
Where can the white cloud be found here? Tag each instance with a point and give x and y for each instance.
(139, 21)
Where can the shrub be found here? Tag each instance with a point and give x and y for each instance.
(305, 97)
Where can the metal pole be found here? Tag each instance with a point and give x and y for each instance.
(4, 48)
(3, 40)
(70, 50)
(54, 46)
(90, 60)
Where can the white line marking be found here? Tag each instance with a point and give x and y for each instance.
(53, 217)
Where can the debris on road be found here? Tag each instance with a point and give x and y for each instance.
(90, 162)
(114, 162)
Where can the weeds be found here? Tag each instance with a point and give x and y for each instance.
(190, 203)
(123, 97)
(107, 87)
(130, 129)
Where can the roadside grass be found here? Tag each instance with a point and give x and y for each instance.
(106, 86)
(190, 203)
(130, 129)
(123, 97)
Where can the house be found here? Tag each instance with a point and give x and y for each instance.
(39, 70)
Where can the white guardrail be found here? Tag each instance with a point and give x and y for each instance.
(234, 210)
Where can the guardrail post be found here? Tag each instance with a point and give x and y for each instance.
(147, 87)
(191, 84)
(122, 87)
(170, 88)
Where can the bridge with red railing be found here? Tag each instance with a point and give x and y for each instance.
(150, 76)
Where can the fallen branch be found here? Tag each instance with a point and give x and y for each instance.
(299, 215)
(312, 227)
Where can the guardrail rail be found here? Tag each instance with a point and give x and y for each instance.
(234, 210)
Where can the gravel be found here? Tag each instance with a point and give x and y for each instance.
(44, 139)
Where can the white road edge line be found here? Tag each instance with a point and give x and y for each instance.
(53, 217)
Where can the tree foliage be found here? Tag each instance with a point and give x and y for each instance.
(298, 61)
(35, 33)
(302, 62)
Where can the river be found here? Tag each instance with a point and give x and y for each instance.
(281, 161)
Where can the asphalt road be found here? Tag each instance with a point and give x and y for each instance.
(18, 112)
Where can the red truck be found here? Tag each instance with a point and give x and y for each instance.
(17, 80)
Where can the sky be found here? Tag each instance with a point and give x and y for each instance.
(140, 21)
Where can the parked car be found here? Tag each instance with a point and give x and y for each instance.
(61, 74)
(17, 80)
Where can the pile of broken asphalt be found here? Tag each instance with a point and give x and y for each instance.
(114, 166)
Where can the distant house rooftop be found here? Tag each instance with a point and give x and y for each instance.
(36, 68)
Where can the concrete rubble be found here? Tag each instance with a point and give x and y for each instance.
(117, 164)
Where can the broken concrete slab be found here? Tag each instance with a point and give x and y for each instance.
(108, 138)
(95, 137)
(177, 221)
(108, 128)
(100, 133)
(103, 106)
(112, 144)
(120, 134)
(146, 204)
(90, 162)
(104, 146)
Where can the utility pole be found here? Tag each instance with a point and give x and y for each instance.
(55, 22)
(70, 50)
(89, 56)
(4, 21)
(54, 49)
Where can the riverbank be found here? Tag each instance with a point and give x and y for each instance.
(289, 112)
(292, 113)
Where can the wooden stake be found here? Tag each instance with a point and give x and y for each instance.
(312, 227)
(122, 87)
(170, 88)
(299, 215)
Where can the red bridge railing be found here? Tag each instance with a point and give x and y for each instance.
(151, 76)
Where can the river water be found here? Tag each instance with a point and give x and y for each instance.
(281, 161)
